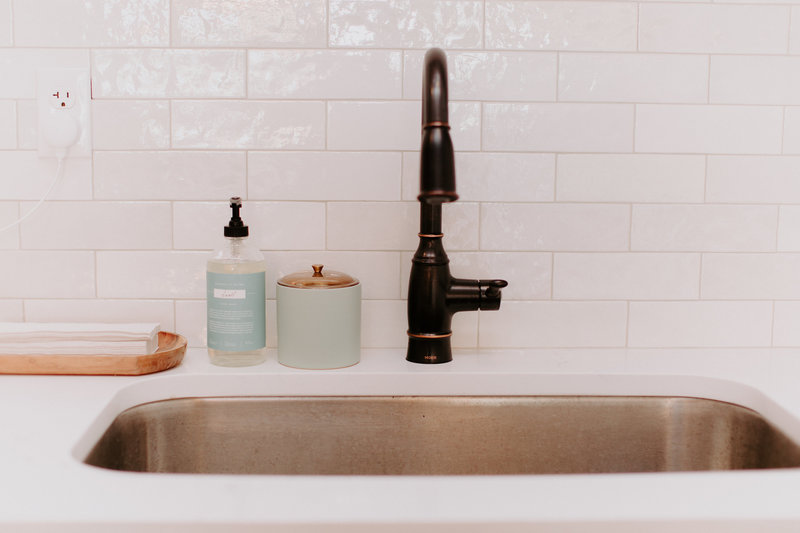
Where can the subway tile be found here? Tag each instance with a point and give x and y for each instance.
(534, 25)
(353, 125)
(753, 179)
(710, 28)
(151, 274)
(74, 226)
(190, 321)
(47, 274)
(165, 73)
(169, 175)
(395, 225)
(548, 227)
(758, 80)
(8, 125)
(704, 228)
(377, 272)
(554, 325)
(6, 32)
(626, 276)
(751, 276)
(791, 130)
(789, 228)
(654, 78)
(130, 124)
(794, 31)
(27, 125)
(324, 74)
(699, 324)
(424, 23)
(486, 76)
(9, 213)
(93, 310)
(492, 177)
(19, 65)
(273, 225)
(323, 176)
(28, 177)
(11, 310)
(383, 324)
(249, 23)
(630, 178)
(249, 125)
(784, 328)
(558, 127)
(58, 23)
(713, 129)
(529, 274)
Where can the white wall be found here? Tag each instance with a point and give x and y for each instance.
(632, 168)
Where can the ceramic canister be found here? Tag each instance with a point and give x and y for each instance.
(319, 319)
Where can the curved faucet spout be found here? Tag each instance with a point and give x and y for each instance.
(434, 89)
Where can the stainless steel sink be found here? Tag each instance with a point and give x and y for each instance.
(440, 436)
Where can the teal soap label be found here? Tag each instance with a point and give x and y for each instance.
(236, 311)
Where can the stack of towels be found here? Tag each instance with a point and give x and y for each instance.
(36, 338)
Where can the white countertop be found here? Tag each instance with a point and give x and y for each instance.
(49, 423)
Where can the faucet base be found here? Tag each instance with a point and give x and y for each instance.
(433, 350)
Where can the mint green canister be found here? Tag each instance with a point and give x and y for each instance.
(319, 319)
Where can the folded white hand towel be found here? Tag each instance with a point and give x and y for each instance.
(78, 338)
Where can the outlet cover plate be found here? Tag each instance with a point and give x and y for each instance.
(52, 86)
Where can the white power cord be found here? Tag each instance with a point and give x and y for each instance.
(59, 175)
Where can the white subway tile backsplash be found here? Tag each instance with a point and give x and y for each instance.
(760, 80)
(561, 25)
(423, 23)
(273, 225)
(47, 274)
(713, 129)
(630, 178)
(164, 73)
(794, 31)
(699, 324)
(395, 225)
(396, 125)
(492, 177)
(169, 175)
(26, 176)
(80, 23)
(785, 331)
(95, 310)
(9, 212)
(6, 31)
(324, 74)
(248, 125)
(11, 310)
(704, 228)
(98, 226)
(655, 78)
(713, 28)
(751, 277)
(19, 65)
(130, 124)
(753, 179)
(151, 274)
(561, 227)
(528, 76)
(558, 127)
(190, 321)
(629, 276)
(249, 23)
(8, 125)
(791, 130)
(323, 176)
(789, 228)
(554, 325)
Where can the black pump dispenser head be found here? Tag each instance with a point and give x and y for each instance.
(236, 227)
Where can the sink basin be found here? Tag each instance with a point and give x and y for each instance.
(455, 435)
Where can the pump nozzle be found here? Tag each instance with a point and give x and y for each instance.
(236, 227)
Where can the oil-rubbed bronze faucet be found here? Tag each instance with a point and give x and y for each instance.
(434, 296)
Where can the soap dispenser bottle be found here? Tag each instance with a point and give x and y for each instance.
(235, 287)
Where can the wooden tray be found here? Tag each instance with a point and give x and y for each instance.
(171, 348)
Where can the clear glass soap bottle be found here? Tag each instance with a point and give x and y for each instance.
(236, 298)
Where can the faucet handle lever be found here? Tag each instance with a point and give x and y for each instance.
(491, 293)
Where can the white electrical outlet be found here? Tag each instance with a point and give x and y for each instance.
(64, 104)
